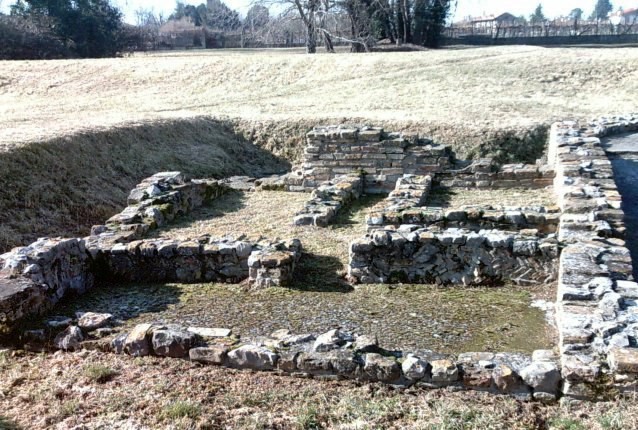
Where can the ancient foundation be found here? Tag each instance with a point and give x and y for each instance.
(578, 243)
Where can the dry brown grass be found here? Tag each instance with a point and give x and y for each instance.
(457, 95)
(63, 186)
(76, 135)
(50, 391)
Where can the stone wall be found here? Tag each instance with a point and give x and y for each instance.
(453, 256)
(596, 312)
(475, 218)
(35, 277)
(384, 157)
(328, 199)
(156, 201)
(484, 173)
(336, 355)
(203, 260)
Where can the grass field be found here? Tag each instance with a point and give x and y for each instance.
(475, 88)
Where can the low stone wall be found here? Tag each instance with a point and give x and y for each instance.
(410, 191)
(156, 201)
(384, 157)
(166, 260)
(203, 260)
(338, 355)
(35, 277)
(484, 173)
(328, 199)
(596, 312)
(475, 218)
(453, 256)
(274, 265)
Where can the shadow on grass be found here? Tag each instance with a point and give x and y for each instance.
(7, 424)
(354, 213)
(320, 273)
(124, 301)
(230, 202)
(440, 196)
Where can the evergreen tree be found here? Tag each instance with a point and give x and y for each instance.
(538, 16)
(601, 10)
(90, 28)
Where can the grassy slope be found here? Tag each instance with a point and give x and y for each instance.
(63, 186)
(455, 95)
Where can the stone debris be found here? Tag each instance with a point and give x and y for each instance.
(90, 321)
(69, 339)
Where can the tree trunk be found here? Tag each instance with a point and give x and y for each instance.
(328, 40)
(311, 37)
(406, 21)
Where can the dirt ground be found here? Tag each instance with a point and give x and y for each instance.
(90, 390)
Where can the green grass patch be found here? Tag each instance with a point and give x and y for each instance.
(99, 373)
(181, 409)
(563, 423)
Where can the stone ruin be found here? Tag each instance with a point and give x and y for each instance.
(578, 244)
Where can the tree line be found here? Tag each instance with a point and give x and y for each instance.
(95, 28)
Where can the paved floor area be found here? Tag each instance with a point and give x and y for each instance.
(623, 151)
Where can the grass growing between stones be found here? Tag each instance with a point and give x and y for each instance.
(181, 409)
(177, 394)
(513, 197)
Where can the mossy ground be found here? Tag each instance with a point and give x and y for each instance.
(403, 316)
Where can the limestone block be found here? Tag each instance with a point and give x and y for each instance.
(415, 369)
(212, 354)
(137, 342)
(172, 342)
(444, 371)
(377, 367)
(69, 339)
(252, 357)
(623, 360)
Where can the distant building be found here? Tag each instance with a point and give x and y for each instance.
(627, 17)
(490, 25)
